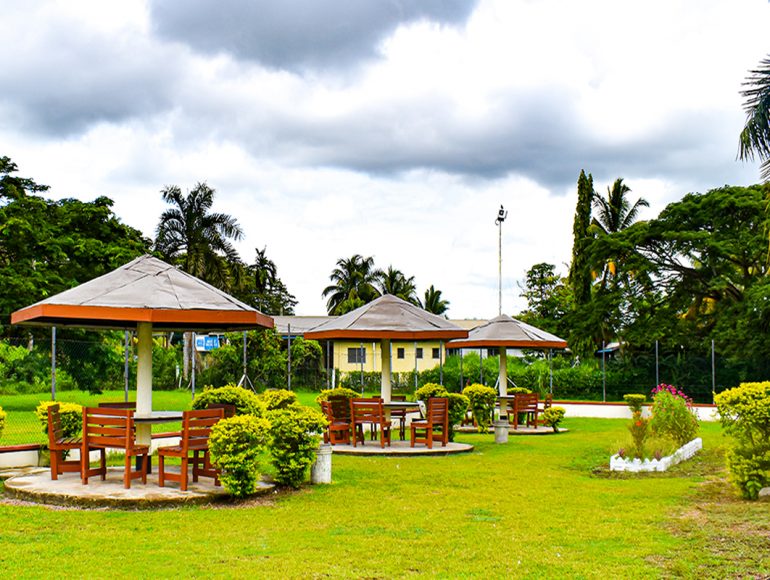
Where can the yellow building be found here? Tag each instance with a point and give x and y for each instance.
(351, 356)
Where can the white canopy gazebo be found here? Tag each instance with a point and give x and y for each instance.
(387, 318)
(505, 332)
(144, 295)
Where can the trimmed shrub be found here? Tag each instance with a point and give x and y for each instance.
(3, 415)
(745, 415)
(639, 424)
(338, 393)
(245, 401)
(429, 390)
(71, 415)
(235, 445)
(672, 415)
(552, 416)
(458, 406)
(482, 401)
(294, 437)
(275, 399)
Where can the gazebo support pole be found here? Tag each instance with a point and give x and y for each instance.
(386, 387)
(503, 371)
(144, 380)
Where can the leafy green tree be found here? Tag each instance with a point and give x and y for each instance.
(393, 281)
(434, 303)
(354, 282)
(269, 294)
(196, 238)
(580, 268)
(755, 136)
(48, 246)
(549, 299)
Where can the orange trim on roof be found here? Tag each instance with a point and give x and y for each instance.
(386, 334)
(155, 316)
(536, 344)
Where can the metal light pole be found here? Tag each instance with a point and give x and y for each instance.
(501, 215)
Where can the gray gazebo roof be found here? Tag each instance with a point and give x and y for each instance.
(144, 290)
(508, 332)
(387, 317)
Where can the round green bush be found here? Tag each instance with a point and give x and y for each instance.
(235, 445)
(745, 415)
(552, 416)
(274, 399)
(70, 414)
(338, 393)
(429, 390)
(295, 433)
(672, 417)
(483, 401)
(245, 401)
(458, 406)
(635, 402)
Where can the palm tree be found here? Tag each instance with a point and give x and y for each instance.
(394, 282)
(353, 284)
(615, 213)
(198, 240)
(433, 301)
(755, 136)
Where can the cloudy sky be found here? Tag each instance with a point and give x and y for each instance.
(389, 128)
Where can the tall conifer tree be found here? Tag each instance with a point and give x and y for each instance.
(580, 269)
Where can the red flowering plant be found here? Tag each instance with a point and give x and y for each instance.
(672, 415)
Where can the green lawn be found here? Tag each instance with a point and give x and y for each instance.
(538, 507)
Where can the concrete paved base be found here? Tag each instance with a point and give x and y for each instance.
(522, 430)
(36, 485)
(400, 449)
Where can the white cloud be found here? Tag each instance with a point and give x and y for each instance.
(405, 155)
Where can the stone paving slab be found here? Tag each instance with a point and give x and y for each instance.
(36, 485)
(400, 449)
(522, 430)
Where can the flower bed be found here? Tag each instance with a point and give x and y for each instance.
(636, 465)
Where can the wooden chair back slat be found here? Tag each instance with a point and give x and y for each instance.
(117, 405)
(228, 409)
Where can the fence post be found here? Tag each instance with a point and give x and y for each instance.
(288, 329)
(657, 368)
(604, 376)
(193, 351)
(53, 363)
(713, 372)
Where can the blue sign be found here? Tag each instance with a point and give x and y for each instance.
(206, 342)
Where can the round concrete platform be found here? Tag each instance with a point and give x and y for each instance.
(522, 430)
(37, 486)
(400, 449)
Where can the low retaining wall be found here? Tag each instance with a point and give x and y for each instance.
(636, 465)
(600, 410)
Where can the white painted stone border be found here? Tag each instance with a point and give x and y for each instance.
(635, 465)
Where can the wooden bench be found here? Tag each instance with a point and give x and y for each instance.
(59, 445)
(196, 428)
(107, 428)
(436, 417)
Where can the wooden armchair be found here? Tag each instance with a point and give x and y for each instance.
(196, 428)
(59, 445)
(436, 417)
(546, 403)
(338, 430)
(400, 415)
(106, 428)
(369, 411)
(523, 405)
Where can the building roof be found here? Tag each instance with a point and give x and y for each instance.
(508, 332)
(387, 317)
(144, 290)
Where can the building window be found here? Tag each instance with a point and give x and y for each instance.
(356, 356)
(436, 352)
(400, 353)
(418, 354)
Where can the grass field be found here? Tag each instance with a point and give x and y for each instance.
(537, 507)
